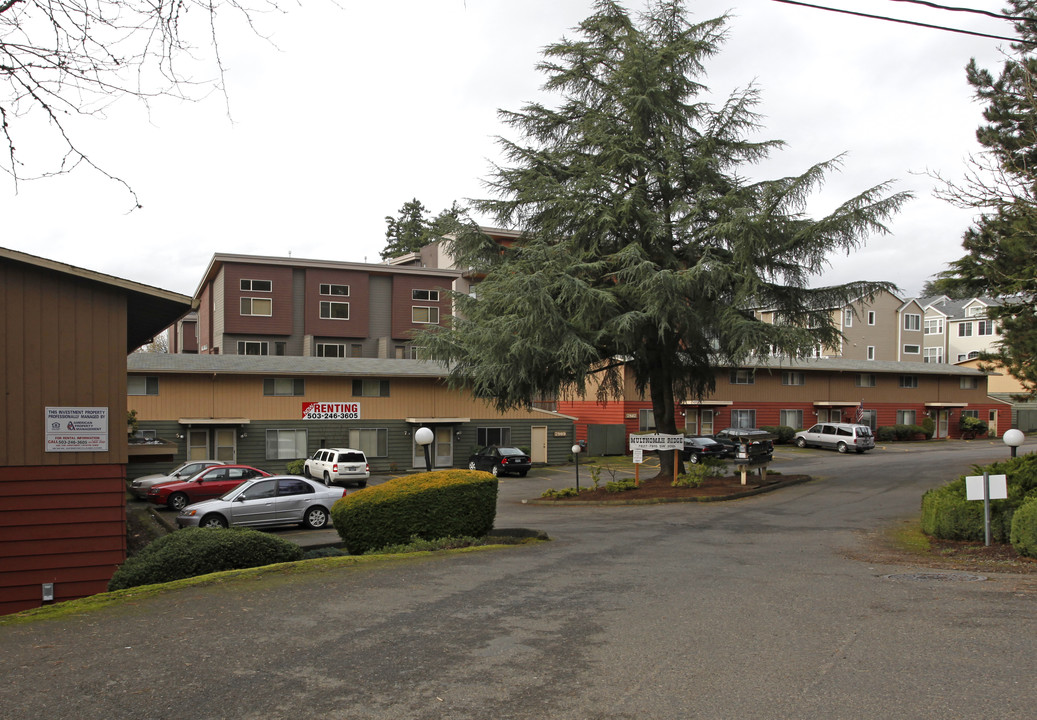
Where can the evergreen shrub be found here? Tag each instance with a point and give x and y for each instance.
(198, 551)
(1024, 528)
(784, 434)
(885, 433)
(929, 427)
(428, 506)
(294, 467)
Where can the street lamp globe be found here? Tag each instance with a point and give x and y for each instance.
(1013, 438)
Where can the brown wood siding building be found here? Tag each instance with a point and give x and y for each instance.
(357, 325)
(64, 335)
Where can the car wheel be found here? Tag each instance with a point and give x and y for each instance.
(213, 521)
(841, 447)
(496, 471)
(327, 478)
(306, 471)
(471, 465)
(523, 473)
(362, 484)
(315, 518)
(801, 442)
(693, 459)
(177, 501)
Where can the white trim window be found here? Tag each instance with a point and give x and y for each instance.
(142, 385)
(871, 317)
(932, 355)
(743, 418)
(984, 327)
(965, 329)
(287, 444)
(906, 417)
(424, 315)
(253, 347)
(912, 321)
(425, 295)
(334, 290)
(331, 350)
(373, 441)
(256, 286)
(262, 307)
(791, 418)
(330, 310)
(848, 317)
(934, 326)
(871, 352)
(645, 419)
(912, 349)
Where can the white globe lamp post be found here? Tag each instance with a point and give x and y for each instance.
(424, 437)
(1013, 438)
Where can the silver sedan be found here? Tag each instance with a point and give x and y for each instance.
(277, 500)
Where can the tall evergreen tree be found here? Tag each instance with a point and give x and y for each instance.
(1001, 245)
(643, 246)
(411, 230)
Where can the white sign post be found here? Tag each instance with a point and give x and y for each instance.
(986, 487)
(658, 442)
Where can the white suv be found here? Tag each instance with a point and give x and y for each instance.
(334, 465)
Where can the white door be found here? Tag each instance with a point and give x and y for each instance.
(538, 443)
(444, 447)
(226, 444)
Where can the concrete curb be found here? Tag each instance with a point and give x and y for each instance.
(658, 501)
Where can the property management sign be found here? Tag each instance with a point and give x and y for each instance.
(331, 411)
(77, 429)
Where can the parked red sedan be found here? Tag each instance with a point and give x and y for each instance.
(208, 484)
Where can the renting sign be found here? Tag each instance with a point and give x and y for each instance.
(76, 429)
(331, 411)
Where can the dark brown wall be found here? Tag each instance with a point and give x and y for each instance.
(359, 299)
(402, 327)
(279, 323)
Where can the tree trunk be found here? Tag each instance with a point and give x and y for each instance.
(661, 393)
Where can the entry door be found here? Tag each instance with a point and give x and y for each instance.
(943, 421)
(226, 444)
(197, 444)
(538, 443)
(444, 447)
(992, 424)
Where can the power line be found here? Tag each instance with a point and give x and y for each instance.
(988, 13)
(908, 22)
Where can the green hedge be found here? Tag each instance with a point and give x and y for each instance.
(886, 433)
(784, 433)
(197, 551)
(1024, 528)
(948, 515)
(428, 506)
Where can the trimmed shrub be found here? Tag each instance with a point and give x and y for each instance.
(620, 486)
(1024, 528)
(428, 506)
(196, 551)
(929, 427)
(885, 433)
(784, 433)
(948, 515)
(294, 467)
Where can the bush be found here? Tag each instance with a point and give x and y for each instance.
(948, 515)
(929, 427)
(973, 426)
(885, 433)
(294, 467)
(567, 492)
(1024, 528)
(694, 477)
(431, 505)
(620, 486)
(197, 551)
(784, 433)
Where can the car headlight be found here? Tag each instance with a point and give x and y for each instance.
(187, 512)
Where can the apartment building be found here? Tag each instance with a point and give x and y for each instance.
(958, 330)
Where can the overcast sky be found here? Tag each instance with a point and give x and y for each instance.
(358, 108)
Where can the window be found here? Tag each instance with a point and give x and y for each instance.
(964, 329)
(356, 350)
(743, 418)
(970, 383)
(426, 315)
(984, 327)
(426, 295)
(975, 310)
(406, 352)
(257, 306)
(646, 420)
(331, 289)
(288, 387)
(370, 388)
(330, 310)
(871, 352)
(912, 321)
(871, 317)
(970, 413)
(257, 285)
(789, 377)
(279, 348)
(493, 436)
(374, 442)
(142, 385)
(146, 434)
(791, 418)
(332, 350)
(912, 349)
(847, 320)
(864, 380)
(905, 417)
(252, 347)
(908, 381)
(934, 326)
(932, 355)
(285, 444)
(743, 376)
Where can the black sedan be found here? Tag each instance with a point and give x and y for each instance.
(696, 448)
(500, 461)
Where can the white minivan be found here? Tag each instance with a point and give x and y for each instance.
(843, 437)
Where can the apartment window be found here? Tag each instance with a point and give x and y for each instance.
(970, 383)
(287, 387)
(332, 289)
(279, 348)
(984, 327)
(970, 413)
(932, 355)
(871, 352)
(975, 310)
(426, 295)
(789, 377)
(257, 285)
(912, 349)
(847, 320)
(331, 350)
(257, 306)
(912, 321)
(743, 376)
(331, 310)
(146, 434)
(934, 326)
(964, 329)
(908, 381)
(871, 317)
(252, 347)
(905, 417)
(864, 380)
(743, 418)
(374, 442)
(646, 420)
(142, 385)
(406, 352)
(485, 436)
(791, 418)
(366, 387)
(424, 315)
(285, 444)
